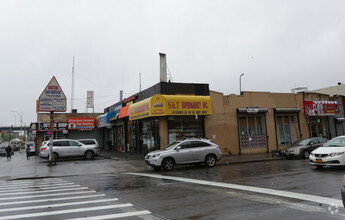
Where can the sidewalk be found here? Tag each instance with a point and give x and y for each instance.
(227, 159)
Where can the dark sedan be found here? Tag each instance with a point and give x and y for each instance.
(303, 147)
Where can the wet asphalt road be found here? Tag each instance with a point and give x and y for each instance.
(180, 199)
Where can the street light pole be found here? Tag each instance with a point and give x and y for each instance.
(241, 83)
(21, 121)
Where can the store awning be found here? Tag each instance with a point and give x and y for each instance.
(104, 120)
(287, 110)
(124, 112)
(112, 116)
(161, 105)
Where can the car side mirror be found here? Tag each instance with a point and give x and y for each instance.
(178, 148)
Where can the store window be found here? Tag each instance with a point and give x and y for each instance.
(252, 132)
(132, 136)
(119, 138)
(182, 127)
(287, 129)
(149, 139)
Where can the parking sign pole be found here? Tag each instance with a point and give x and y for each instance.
(51, 116)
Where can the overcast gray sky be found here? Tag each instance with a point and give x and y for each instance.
(278, 45)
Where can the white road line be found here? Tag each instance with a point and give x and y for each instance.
(300, 196)
(38, 188)
(47, 195)
(68, 211)
(49, 180)
(50, 200)
(43, 191)
(56, 205)
(120, 215)
(33, 185)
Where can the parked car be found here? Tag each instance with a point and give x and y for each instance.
(89, 142)
(331, 153)
(63, 148)
(303, 147)
(3, 151)
(194, 150)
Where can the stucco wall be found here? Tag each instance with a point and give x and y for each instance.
(222, 125)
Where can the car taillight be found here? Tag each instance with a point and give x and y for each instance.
(43, 148)
(344, 181)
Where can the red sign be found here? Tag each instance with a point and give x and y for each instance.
(81, 123)
(321, 108)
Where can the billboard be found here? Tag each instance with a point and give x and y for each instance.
(52, 98)
(90, 99)
(81, 123)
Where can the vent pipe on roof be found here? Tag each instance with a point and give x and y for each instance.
(163, 67)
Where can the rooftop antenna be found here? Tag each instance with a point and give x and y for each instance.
(72, 91)
(139, 82)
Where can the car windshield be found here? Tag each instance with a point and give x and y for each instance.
(300, 142)
(172, 145)
(336, 142)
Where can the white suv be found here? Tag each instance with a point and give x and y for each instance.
(69, 148)
(193, 150)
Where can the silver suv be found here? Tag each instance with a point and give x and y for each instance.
(69, 148)
(193, 150)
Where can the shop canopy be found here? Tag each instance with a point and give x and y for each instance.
(124, 112)
(177, 105)
(104, 120)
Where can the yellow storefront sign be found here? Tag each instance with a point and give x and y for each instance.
(160, 105)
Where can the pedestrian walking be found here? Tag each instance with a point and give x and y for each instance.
(9, 151)
(27, 149)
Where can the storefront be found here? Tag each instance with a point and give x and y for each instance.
(321, 118)
(252, 128)
(287, 126)
(163, 119)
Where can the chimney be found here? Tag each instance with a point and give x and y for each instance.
(163, 67)
(121, 95)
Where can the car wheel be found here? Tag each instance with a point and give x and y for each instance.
(210, 160)
(306, 154)
(319, 166)
(89, 155)
(168, 164)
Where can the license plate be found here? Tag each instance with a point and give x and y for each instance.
(318, 161)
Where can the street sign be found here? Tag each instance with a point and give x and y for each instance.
(52, 98)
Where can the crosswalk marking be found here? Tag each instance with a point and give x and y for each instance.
(120, 215)
(40, 188)
(32, 185)
(60, 199)
(51, 200)
(38, 181)
(47, 191)
(47, 195)
(56, 205)
(67, 211)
